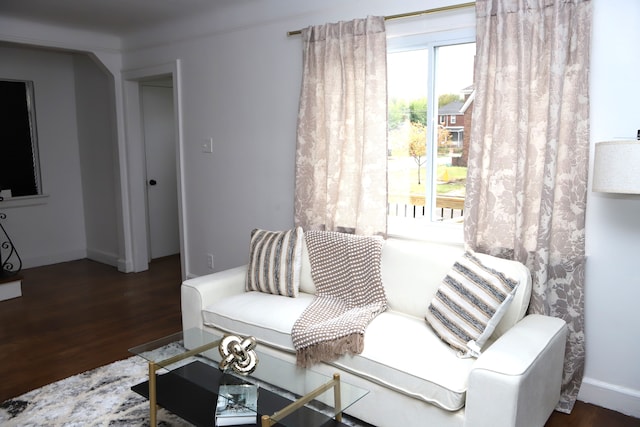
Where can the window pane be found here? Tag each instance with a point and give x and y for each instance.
(453, 86)
(427, 182)
(407, 93)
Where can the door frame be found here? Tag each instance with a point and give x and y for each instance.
(136, 233)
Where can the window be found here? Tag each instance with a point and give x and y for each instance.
(427, 156)
(19, 164)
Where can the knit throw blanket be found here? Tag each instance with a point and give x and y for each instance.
(346, 272)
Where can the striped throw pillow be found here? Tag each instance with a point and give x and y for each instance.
(470, 302)
(275, 259)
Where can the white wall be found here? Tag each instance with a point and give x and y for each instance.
(97, 144)
(612, 376)
(39, 34)
(240, 80)
(106, 49)
(53, 231)
(76, 133)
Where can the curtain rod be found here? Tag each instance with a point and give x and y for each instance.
(411, 14)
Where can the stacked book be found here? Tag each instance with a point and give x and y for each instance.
(237, 404)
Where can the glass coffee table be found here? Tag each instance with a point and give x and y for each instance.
(185, 376)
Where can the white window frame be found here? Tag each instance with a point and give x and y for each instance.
(401, 39)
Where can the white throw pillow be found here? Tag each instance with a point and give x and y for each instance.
(274, 262)
(470, 302)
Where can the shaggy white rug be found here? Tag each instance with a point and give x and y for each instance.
(98, 398)
(101, 397)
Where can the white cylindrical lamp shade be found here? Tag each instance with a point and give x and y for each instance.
(616, 166)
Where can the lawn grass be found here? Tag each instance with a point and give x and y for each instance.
(451, 180)
(404, 182)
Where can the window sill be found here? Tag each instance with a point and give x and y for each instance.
(19, 202)
(421, 229)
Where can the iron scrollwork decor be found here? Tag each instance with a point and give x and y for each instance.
(10, 262)
(238, 354)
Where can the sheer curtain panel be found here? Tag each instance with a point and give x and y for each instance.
(341, 153)
(528, 160)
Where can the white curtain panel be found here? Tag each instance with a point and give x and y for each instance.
(528, 160)
(341, 154)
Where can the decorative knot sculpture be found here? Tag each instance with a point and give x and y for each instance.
(238, 354)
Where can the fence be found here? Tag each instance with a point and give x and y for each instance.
(414, 206)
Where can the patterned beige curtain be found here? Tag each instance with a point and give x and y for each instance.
(528, 160)
(341, 178)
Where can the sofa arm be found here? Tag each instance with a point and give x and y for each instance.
(516, 381)
(201, 291)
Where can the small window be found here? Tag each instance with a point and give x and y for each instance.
(426, 167)
(19, 163)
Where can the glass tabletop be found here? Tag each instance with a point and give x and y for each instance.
(201, 343)
(280, 377)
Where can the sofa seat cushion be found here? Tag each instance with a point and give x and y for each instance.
(400, 351)
(403, 353)
(267, 317)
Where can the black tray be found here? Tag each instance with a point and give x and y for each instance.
(191, 393)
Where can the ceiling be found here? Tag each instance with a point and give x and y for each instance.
(118, 17)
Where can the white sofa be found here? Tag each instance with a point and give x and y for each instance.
(414, 378)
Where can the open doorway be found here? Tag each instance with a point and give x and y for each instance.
(152, 95)
(158, 128)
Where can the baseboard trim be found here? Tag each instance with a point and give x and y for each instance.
(103, 257)
(620, 399)
(53, 258)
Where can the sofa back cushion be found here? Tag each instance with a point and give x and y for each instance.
(306, 281)
(412, 271)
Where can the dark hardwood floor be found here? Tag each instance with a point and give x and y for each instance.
(80, 315)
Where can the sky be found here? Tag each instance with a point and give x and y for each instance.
(407, 71)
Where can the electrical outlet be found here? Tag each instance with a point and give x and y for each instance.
(210, 261)
(207, 145)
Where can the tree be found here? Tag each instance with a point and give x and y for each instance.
(444, 135)
(448, 98)
(418, 145)
(418, 111)
(398, 113)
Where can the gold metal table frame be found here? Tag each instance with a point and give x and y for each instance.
(266, 420)
(270, 420)
(155, 366)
